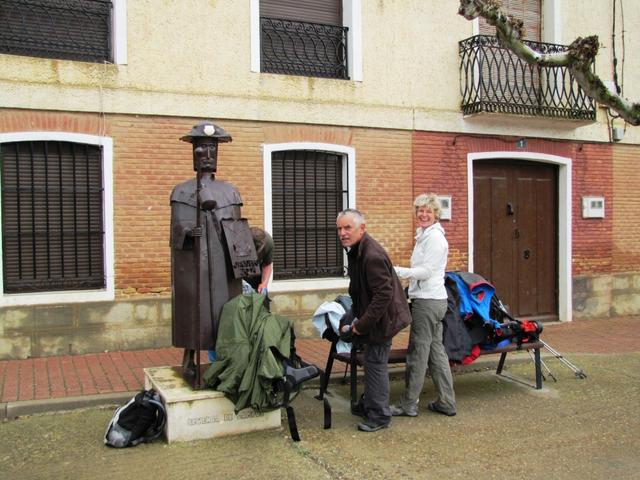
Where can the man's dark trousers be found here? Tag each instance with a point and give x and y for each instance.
(376, 382)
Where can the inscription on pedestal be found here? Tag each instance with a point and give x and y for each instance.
(227, 417)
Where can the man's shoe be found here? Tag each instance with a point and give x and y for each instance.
(433, 406)
(400, 411)
(369, 426)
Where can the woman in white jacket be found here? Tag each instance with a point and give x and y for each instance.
(428, 304)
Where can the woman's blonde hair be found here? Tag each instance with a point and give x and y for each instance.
(429, 200)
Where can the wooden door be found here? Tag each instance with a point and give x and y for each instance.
(515, 234)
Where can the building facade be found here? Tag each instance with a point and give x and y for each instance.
(331, 104)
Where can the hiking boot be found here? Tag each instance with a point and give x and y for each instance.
(433, 406)
(402, 411)
(369, 426)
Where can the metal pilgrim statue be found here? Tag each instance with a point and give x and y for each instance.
(211, 250)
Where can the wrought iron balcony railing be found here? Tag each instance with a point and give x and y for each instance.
(303, 48)
(66, 29)
(494, 79)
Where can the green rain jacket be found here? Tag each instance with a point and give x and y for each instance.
(251, 346)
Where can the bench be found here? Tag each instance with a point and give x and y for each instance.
(399, 355)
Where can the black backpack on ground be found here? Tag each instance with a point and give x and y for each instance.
(141, 420)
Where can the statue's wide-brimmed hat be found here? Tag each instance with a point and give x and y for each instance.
(207, 129)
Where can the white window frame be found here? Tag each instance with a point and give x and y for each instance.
(352, 18)
(551, 22)
(119, 31)
(71, 296)
(348, 166)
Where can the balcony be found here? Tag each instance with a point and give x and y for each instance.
(493, 79)
(303, 48)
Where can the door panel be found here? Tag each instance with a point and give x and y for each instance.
(526, 252)
(547, 245)
(515, 234)
(482, 243)
(501, 244)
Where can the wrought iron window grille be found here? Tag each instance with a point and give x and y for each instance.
(307, 193)
(303, 48)
(493, 79)
(52, 216)
(63, 29)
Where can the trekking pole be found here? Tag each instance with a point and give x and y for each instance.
(546, 367)
(578, 372)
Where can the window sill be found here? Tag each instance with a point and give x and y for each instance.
(48, 298)
(311, 284)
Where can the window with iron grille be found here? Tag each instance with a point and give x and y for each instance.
(309, 188)
(64, 29)
(52, 216)
(303, 37)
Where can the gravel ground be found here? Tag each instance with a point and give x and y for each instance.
(572, 429)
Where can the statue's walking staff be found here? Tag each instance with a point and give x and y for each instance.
(197, 383)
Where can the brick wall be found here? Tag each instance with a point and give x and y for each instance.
(440, 166)
(149, 160)
(623, 209)
(392, 168)
(384, 192)
(592, 237)
(383, 177)
(12, 120)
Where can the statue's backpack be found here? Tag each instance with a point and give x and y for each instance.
(141, 420)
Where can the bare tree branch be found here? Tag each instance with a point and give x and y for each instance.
(578, 58)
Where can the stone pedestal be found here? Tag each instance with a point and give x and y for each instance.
(197, 414)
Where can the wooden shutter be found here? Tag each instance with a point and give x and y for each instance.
(314, 11)
(52, 221)
(526, 10)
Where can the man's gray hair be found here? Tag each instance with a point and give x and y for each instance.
(429, 200)
(358, 218)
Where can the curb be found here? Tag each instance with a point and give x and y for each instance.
(12, 410)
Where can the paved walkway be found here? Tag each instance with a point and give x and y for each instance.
(39, 384)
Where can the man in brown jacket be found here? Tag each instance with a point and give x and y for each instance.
(379, 311)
